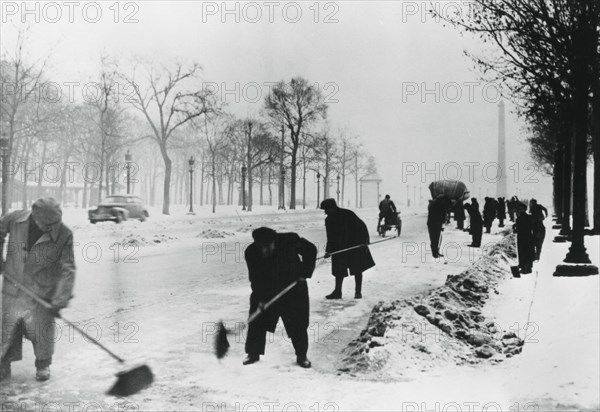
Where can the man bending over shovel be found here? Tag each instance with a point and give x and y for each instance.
(276, 260)
(39, 254)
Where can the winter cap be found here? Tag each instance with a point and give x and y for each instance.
(263, 235)
(46, 211)
(328, 204)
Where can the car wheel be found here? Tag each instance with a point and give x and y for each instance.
(119, 218)
(93, 222)
(144, 216)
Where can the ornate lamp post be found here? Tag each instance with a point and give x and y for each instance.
(191, 164)
(338, 189)
(318, 189)
(4, 142)
(128, 168)
(283, 189)
(244, 170)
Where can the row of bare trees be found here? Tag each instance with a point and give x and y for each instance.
(163, 116)
(547, 53)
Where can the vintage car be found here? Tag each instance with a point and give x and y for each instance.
(118, 208)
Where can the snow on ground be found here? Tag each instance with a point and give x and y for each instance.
(162, 308)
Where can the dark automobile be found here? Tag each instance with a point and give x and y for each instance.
(118, 208)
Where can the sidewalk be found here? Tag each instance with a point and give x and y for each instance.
(559, 367)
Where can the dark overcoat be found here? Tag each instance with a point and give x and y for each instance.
(525, 244)
(501, 208)
(345, 229)
(293, 258)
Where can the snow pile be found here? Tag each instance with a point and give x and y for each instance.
(137, 240)
(214, 234)
(446, 327)
(246, 229)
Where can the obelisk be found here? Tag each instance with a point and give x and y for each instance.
(501, 190)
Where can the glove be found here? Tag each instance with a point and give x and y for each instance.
(326, 255)
(301, 279)
(55, 311)
(261, 307)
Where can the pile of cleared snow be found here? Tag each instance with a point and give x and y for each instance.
(443, 328)
(137, 240)
(246, 229)
(213, 234)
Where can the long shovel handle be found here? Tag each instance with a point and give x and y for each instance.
(48, 306)
(357, 246)
(289, 287)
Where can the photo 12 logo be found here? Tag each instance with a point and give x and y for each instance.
(69, 11)
(270, 11)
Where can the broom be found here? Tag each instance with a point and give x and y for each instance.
(129, 381)
(221, 344)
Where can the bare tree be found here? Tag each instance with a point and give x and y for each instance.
(168, 99)
(295, 105)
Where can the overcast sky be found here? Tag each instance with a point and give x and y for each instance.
(373, 61)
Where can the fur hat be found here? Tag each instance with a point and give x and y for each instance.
(263, 235)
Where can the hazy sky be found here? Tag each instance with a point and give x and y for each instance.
(390, 72)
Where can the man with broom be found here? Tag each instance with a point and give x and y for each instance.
(40, 255)
(275, 261)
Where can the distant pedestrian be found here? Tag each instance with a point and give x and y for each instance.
(459, 214)
(525, 242)
(436, 216)
(276, 260)
(346, 230)
(40, 256)
(387, 211)
(489, 213)
(512, 207)
(476, 223)
(501, 211)
(538, 214)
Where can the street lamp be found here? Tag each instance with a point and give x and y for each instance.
(191, 164)
(128, 168)
(338, 189)
(318, 189)
(283, 189)
(4, 142)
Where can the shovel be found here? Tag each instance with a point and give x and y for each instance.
(221, 343)
(129, 381)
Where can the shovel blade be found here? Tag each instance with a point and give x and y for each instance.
(515, 271)
(132, 381)
(221, 342)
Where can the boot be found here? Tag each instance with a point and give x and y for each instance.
(337, 292)
(358, 286)
(250, 359)
(303, 362)
(42, 374)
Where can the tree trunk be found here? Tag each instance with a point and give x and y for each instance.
(167, 181)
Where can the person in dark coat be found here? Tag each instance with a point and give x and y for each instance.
(489, 213)
(538, 214)
(501, 211)
(344, 230)
(459, 214)
(387, 211)
(39, 255)
(276, 260)
(436, 216)
(476, 223)
(525, 242)
(512, 207)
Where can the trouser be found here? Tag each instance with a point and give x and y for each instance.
(257, 336)
(434, 237)
(358, 278)
(539, 241)
(501, 224)
(476, 236)
(460, 224)
(32, 321)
